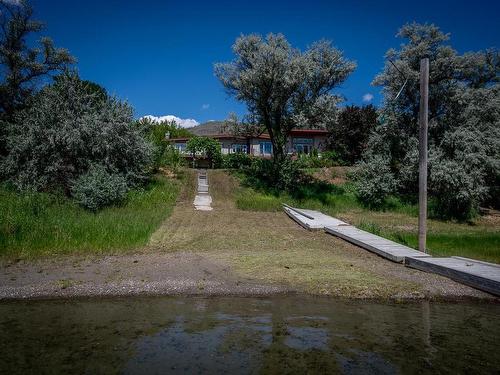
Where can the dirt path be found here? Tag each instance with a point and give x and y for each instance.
(228, 252)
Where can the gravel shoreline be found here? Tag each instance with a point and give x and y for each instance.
(125, 275)
(163, 274)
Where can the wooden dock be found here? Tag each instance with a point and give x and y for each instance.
(477, 274)
(385, 248)
(480, 275)
(311, 220)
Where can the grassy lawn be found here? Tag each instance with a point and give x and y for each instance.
(39, 224)
(269, 247)
(479, 239)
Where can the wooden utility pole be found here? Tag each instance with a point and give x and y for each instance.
(422, 154)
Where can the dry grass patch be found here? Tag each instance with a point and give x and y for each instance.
(320, 272)
(332, 175)
(269, 247)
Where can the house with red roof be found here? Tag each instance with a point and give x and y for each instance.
(300, 141)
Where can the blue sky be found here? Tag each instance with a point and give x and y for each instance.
(159, 55)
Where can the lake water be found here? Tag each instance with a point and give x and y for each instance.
(248, 335)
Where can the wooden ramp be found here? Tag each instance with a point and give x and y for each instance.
(481, 275)
(477, 274)
(311, 220)
(388, 249)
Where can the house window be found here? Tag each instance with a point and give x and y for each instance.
(238, 148)
(181, 147)
(303, 145)
(266, 148)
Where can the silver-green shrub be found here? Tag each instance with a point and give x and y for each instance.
(464, 122)
(374, 181)
(98, 188)
(284, 87)
(65, 130)
(458, 187)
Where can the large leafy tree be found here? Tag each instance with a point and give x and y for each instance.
(283, 87)
(350, 133)
(464, 121)
(22, 66)
(68, 129)
(205, 147)
(158, 133)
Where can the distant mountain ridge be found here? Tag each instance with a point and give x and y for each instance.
(211, 128)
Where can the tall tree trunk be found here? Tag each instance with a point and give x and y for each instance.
(278, 154)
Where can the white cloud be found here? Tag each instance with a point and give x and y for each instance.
(182, 122)
(205, 106)
(367, 98)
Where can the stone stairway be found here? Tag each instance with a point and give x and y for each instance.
(202, 200)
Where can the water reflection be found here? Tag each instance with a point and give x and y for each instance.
(244, 335)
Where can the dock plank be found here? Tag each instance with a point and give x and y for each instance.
(480, 275)
(310, 219)
(477, 274)
(376, 244)
(303, 221)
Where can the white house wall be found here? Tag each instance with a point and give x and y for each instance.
(319, 143)
(226, 146)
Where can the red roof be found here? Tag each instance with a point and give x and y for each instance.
(216, 136)
(294, 132)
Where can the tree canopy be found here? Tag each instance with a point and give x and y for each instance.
(66, 132)
(205, 146)
(22, 65)
(464, 122)
(350, 133)
(283, 87)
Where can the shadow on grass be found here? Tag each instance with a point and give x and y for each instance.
(306, 188)
(310, 193)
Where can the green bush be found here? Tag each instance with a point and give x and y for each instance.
(206, 148)
(309, 161)
(315, 160)
(172, 158)
(457, 189)
(331, 158)
(374, 182)
(237, 160)
(65, 130)
(283, 176)
(98, 188)
(287, 175)
(156, 133)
